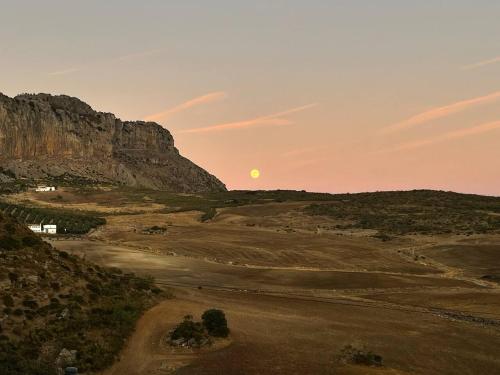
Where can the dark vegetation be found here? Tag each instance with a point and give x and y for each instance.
(52, 300)
(189, 331)
(9, 184)
(209, 214)
(196, 334)
(493, 278)
(215, 322)
(68, 222)
(155, 229)
(413, 212)
(208, 202)
(352, 355)
(67, 179)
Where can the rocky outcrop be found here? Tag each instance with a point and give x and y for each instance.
(45, 136)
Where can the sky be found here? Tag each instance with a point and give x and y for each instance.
(331, 96)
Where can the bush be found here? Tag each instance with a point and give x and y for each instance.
(32, 304)
(215, 322)
(188, 330)
(9, 243)
(209, 214)
(8, 301)
(350, 354)
(18, 312)
(143, 283)
(31, 241)
(383, 237)
(10, 228)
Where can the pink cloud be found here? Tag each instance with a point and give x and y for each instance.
(440, 112)
(204, 99)
(268, 120)
(463, 133)
(480, 64)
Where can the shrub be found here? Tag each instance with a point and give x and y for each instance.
(32, 304)
(350, 354)
(209, 214)
(215, 322)
(63, 254)
(143, 283)
(31, 241)
(188, 330)
(9, 243)
(10, 228)
(8, 301)
(18, 312)
(383, 237)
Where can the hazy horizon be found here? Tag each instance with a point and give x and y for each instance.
(325, 96)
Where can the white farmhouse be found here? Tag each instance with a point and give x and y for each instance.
(43, 188)
(50, 229)
(39, 228)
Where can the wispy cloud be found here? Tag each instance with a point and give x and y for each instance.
(303, 151)
(137, 55)
(480, 64)
(65, 71)
(122, 58)
(299, 151)
(275, 119)
(301, 164)
(463, 133)
(440, 112)
(204, 99)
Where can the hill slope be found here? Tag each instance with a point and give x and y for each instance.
(45, 136)
(52, 303)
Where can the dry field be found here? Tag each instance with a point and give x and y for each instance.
(295, 295)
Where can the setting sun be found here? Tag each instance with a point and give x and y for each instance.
(255, 173)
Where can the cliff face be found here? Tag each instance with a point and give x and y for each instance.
(50, 136)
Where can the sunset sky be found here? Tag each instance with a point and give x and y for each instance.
(319, 95)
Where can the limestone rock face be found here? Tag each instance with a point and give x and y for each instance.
(43, 136)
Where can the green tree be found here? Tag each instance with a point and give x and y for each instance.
(215, 323)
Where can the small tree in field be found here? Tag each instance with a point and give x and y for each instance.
(215, 323)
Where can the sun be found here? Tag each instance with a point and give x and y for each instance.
(255, 173)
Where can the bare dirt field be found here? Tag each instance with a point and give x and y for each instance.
(275, 335)
(296, 290)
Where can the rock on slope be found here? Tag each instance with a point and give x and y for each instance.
(44, 136)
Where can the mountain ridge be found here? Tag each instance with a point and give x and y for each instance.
(47, 136)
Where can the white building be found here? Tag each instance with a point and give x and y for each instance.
(39, 228)
(45, 188)
(50, 229)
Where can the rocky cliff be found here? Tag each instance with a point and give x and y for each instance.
(44, 136)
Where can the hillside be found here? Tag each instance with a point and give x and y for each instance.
(53, 303)
(63, 139)
(413, 212)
